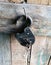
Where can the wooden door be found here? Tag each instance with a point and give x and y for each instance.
(11, 52)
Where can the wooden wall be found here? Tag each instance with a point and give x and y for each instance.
(43, 2)
(12, 53)
(41, 50)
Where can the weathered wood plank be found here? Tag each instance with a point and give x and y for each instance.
(5, 56)
(34, 1)
(41, 32)
(10, 10)
(19, 52)
(16, 1)
(4, 1)
(49, 2)
(49, 44)
(40, 14)
(44, 2)
(41, 51)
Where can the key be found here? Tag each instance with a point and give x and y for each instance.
(29, 54)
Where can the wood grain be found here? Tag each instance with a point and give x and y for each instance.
(5, 54)
(49, 2)
(34, 1)
(19, 53)
(4, 0)
(41, 51)
(16, 1)
(45, 2)
(40, 14)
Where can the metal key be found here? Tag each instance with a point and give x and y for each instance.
(29, 54)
